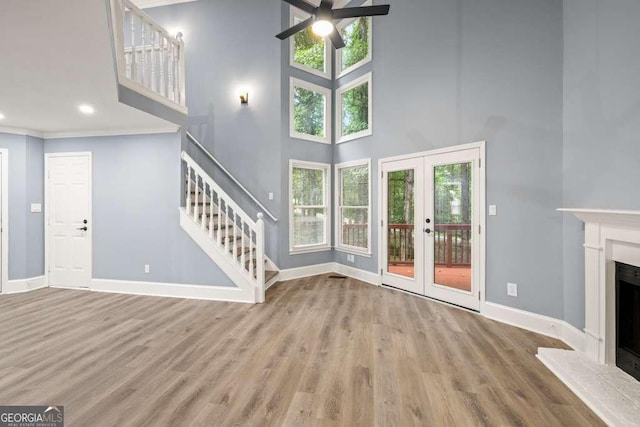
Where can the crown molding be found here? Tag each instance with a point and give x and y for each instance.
(110, 132)
(145, 4)
(20, 131)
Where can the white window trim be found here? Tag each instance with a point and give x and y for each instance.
(366, 78)
(340, 27)
(294, 13)
(327, 111)
(294, 250)
(338, 198)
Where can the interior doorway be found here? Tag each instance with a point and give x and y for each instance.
(432, 224)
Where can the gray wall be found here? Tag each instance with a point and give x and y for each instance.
(229, 47)
(136, 194)
(601, 152)
(444, 73)
(26, 186)
(476, 70)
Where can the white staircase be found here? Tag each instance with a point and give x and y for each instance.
(226, 233)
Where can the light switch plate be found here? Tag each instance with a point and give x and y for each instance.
(512, 289)
(36, 207)
(270, 196)
(493, 210)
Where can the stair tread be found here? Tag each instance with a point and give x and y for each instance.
(269, 274)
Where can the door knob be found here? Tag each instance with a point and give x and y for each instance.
(427, 230)
(428, 220)
(82, 228)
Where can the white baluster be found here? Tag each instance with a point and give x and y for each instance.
(211, 214)
(143, 53)
(162, 90)
(170, 71)
(243, 256)
(204, 205)
(219, 235)
(235, 238)
(251, 260)
(134, 57)
(226, 228)
(260, 258)
(153, 34)
(196, 205)
(188, 189)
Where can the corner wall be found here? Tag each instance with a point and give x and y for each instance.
(601, 149)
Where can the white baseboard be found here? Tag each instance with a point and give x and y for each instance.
(171, 290)
(534, 322)
(24, 285)
(330, 267)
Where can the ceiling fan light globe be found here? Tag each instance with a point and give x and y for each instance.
(322, 27)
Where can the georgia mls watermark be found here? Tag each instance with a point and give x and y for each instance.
(31, 416)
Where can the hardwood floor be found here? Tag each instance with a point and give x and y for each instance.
(320, 351)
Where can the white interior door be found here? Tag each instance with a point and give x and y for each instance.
(69, 219)
(430, 241)
(451, 240)
(402, 213)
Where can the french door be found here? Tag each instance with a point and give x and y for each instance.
(431, 226)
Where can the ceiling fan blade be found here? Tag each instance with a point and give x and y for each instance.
(302, 5)
(356, 12)
(336, 39)
(296, 28)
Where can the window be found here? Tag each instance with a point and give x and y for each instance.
(310, 112)
(309, 206)
(308, 51)
(357, 36)
(353, 198)
(354, 109)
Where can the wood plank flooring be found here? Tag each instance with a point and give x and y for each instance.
(319, 352)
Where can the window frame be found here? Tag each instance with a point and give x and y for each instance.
(356, 250)
(294, 13)
(365, 78)
(302, 249)
(293, 83)
(338, 56)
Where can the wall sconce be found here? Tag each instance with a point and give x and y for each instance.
(244, 98)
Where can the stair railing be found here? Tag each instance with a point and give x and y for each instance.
(234, 232)
(230, 176)
(149, 59)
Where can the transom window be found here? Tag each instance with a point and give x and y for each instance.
(309, 206)
(308, 51)
(353, 199)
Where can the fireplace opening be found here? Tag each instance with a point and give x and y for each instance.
(628, 319)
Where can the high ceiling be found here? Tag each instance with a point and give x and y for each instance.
(54, 56)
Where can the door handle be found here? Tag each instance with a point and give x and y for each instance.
(427, 230)
(82, 228)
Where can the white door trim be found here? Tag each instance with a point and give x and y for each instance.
(48, 156)
(4, 218)
(481, 146)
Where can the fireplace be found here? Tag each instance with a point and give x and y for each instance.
(628, 319)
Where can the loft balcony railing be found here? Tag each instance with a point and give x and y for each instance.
(150, 61)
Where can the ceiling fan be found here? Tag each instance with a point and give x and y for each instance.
(322, 18)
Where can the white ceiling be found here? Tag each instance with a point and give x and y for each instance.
(54, 56)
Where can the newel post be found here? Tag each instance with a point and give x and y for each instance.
(260, 258)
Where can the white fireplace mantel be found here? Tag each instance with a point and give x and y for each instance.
(610, 236)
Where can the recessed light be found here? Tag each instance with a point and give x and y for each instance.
(86, 109)
(2, 116)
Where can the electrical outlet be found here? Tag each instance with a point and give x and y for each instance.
(353, 258)
(493, 210)
(146, 268)
(512, 289)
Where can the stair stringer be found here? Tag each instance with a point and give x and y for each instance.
(247, 291)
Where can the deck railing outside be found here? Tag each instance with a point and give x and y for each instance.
(452, 243)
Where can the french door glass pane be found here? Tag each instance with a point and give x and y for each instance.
(452, 225)
(401, 222)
